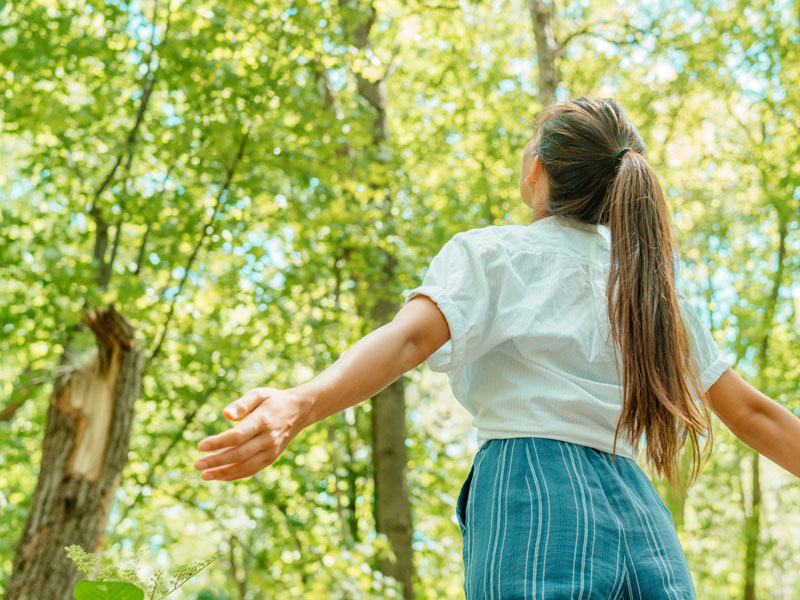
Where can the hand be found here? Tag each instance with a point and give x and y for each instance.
(272, 418)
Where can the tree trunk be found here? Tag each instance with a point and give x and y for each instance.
(392, 511)
(546, 51)
(751, 528)
(85, 449)
(752, 521)
(392, 507)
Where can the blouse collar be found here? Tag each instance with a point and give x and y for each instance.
(558, 220)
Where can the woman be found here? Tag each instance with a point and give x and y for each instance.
(564, 379)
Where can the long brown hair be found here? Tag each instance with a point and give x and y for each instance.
(576, 142)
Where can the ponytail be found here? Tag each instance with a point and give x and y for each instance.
(646, 324)
(592, 180)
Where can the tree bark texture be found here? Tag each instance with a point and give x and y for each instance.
(84, 451)
(546, 51)
(392, 506)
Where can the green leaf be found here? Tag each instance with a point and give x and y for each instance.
(107, 590)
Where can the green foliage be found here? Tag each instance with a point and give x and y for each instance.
(267, 280)
(107, 590)
(124, 584)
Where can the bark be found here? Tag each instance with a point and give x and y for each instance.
(88, 427)
(752, 521)
(392, 507)
(85, 449)
(547, 49)
(751, 529)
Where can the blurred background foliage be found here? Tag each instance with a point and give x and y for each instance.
(227, 156)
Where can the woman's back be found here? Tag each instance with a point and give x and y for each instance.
(530, 352)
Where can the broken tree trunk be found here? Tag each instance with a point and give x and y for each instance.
(85, 448)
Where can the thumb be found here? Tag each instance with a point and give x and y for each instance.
(244, 405)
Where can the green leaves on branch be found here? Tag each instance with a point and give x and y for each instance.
(107, 590)
(127, 584)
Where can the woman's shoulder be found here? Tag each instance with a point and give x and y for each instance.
(516, 239)
(506, 237)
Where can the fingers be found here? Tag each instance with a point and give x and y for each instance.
(243, 469)
(247, 403)
(247, 452)
(233, 437)
(233, 455)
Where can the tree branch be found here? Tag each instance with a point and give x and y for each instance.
(148, 83)
(208, 228)
(177, 437)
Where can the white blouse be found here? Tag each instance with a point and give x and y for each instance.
(530, 351)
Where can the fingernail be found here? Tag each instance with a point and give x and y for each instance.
(234, 411)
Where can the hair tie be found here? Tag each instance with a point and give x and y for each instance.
(618, 155)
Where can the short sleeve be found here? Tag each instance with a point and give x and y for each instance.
(710, 361)
(458, 280)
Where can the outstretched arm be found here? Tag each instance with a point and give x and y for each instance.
(757, 420)
(376, 360)
(271, 418)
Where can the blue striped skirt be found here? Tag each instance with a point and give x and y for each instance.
(548, 519)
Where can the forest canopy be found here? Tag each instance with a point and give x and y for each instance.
(253, 184)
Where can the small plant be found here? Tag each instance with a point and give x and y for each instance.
(124, 584)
